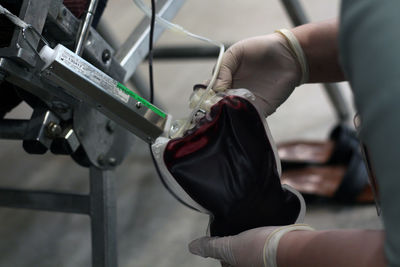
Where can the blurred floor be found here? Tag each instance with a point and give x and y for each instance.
(153, 228)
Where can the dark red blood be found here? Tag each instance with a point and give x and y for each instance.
(77, 7)
(227, 165)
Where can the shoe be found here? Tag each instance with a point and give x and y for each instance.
(329, 170)
(347, 183)
(227, 166)
(338, 149)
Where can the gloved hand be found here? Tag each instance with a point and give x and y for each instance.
(256, 247)
(270, 66)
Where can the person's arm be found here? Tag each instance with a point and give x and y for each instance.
(270, 67)
(332, 248)
(295, 246)
(319, 42)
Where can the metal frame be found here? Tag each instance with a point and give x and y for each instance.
(34, 13)
(103, 216)
(100, 205)
(135, 48)
(63, 124)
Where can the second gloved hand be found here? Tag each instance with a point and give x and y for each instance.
(267, 65)
(256, 247)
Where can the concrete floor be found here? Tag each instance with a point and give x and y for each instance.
(153, 228)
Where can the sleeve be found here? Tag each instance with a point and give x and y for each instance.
(370, 55)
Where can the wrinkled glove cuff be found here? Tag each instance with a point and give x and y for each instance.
(272, 242)
(298, 52)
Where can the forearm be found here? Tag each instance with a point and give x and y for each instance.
(332, 248)
(320, 45)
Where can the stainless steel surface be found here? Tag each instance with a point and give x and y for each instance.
(92, 127)
(137, 80)
(104, 30)
(85, 27)
(101, 54)
(59, 101)
(93, 87)
(136, 47)
(71, 139)
(62, 26)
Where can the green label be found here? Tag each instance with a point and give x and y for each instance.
(141, 100)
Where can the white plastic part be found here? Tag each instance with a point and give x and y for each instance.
(47, 54)
(179, 29)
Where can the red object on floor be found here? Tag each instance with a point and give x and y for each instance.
(77, 7)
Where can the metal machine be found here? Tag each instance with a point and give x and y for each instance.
(69, 98)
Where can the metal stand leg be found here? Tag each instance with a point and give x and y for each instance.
(100, 205)
(103, 218)
(299, 17)
(338, 101)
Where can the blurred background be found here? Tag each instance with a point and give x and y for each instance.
(153, 228)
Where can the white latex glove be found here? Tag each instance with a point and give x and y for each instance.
(256, 247)
(270, 66)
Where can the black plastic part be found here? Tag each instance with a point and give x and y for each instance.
(34, 147)
(80, 157)
(9, 98)
(60, 146)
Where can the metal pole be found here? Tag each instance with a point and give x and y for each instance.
(338, 101)
(13, 129)
(44, 200)
(299, 17)
(103, 218)
(84, 29)
(185, 52)
(295, 12)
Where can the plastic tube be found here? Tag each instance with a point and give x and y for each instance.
(179, 29)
